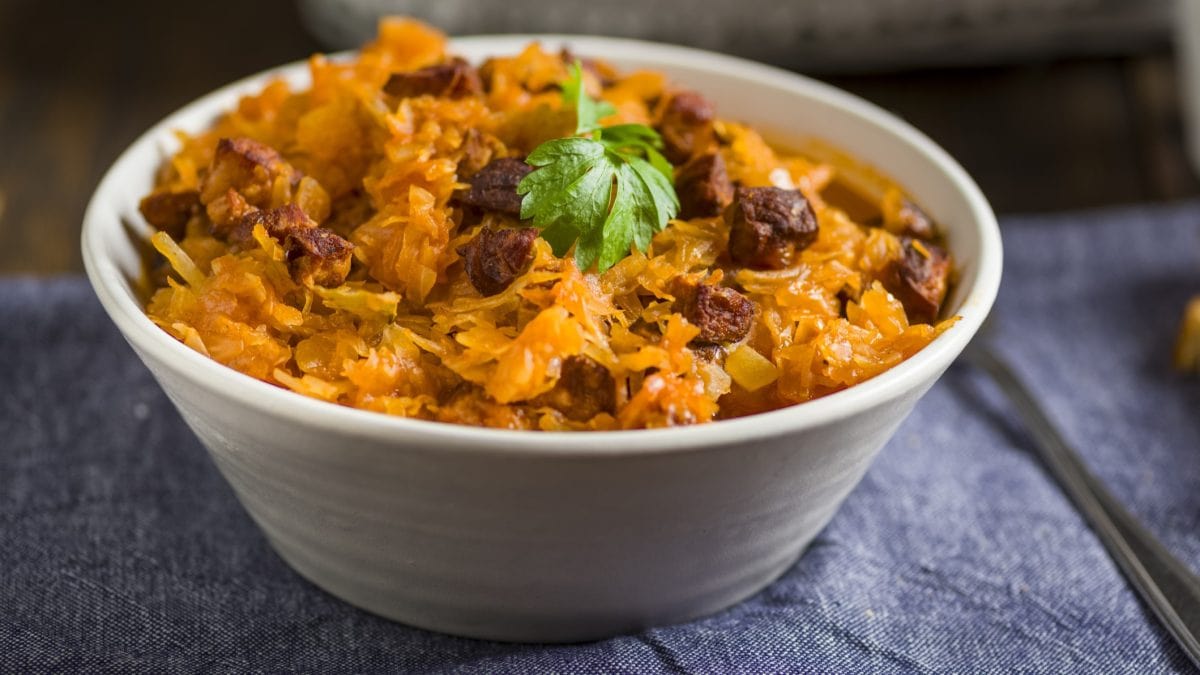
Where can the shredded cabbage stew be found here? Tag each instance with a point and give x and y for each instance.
(537, 241)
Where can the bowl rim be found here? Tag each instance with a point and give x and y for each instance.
(111, 287)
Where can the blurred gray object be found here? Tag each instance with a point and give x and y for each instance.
(1187, 41)
(811, 35)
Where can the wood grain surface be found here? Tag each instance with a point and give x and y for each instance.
(80, 81)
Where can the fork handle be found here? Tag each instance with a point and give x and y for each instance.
(1170, 589)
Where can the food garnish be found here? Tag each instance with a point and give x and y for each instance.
(602, 190)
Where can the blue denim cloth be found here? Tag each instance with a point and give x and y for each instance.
(122, 549)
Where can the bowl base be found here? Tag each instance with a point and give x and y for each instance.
(564, 629)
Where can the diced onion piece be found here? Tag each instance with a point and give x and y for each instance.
(364, 303)
(751, 370)
(180, 261)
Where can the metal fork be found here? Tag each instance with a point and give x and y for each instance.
(1167, 585)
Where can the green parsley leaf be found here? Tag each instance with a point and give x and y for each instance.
(639, 137)
(604, 192)
(588, 111)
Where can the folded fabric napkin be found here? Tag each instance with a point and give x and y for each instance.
(121, 548)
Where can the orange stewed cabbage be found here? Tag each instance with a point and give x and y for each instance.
(406, 333)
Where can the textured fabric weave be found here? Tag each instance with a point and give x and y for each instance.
(121, 548)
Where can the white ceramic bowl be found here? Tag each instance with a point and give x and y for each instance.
(529, 536)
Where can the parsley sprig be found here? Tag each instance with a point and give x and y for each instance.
(603, 189)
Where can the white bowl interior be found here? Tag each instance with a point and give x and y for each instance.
(762, 96)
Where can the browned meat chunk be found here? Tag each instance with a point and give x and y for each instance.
(722, 314)
(170, 211)
(915, 222)
(277, 222)
(584, 389)
(686, 125)
(495, 257)
(468, 404)
(902, 217)
(317, 257)
(703, 187)
(920, 279)
(768, 226)
(248, 167)
(709, 352)
(226, 215)
(455, 79)
(494, 188)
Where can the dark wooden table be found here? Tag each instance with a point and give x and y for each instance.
(79, 81)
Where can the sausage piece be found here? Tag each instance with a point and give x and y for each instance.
(226, 213)
(277, 222)
(913, 221)
(584, 389)
(495, 257)
(170, 211)
(768, 226)
(248, 167)
(902, 217)
(919, 279)
(709, 352)
(467, 404)
(315, 255)
(703, 187)
(455, 79)
(722, 314)
(686, 125)
(494, 187)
